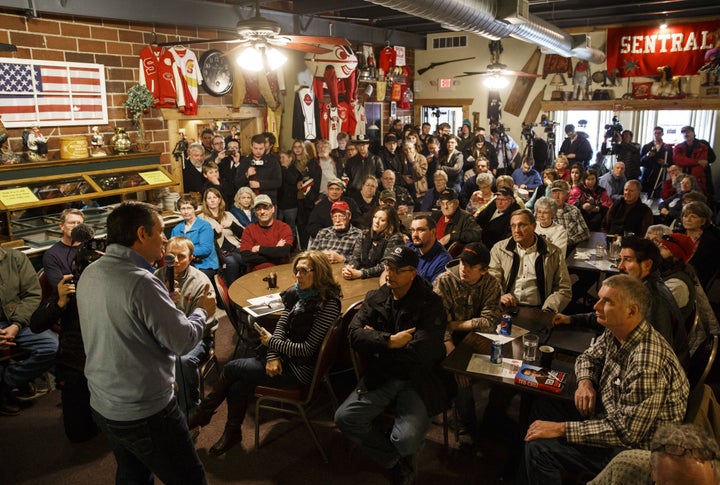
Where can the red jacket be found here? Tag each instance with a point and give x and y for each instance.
(687, 157)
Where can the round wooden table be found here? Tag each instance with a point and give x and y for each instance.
(252, 285)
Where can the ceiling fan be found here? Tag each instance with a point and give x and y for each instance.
(261, 32)
(496, 68)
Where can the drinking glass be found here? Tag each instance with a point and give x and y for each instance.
(530, 346)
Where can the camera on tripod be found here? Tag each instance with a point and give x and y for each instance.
(527, 130)
(614, 129)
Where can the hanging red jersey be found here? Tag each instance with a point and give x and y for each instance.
(386, 59)
(157, 73)
(347, 118)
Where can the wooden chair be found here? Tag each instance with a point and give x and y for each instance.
(344, 361)
(692, 322)
(232, 313)
(300, 396)
(45, 289)
(702, 361)
(211, 362)
(455, 249)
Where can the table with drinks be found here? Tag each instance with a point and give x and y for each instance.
(478, 355)
(600, 253)
(257, 284)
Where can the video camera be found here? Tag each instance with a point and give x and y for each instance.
(90, 249)
(613, 129)
(527, 130)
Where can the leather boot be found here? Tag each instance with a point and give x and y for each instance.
(8, 404)
(202, 414)
(233, 428)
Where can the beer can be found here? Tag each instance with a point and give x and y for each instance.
(506, 325)
(496, 352)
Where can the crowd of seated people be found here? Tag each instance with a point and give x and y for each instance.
(474, 252)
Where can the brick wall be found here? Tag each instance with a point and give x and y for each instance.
(116, 45)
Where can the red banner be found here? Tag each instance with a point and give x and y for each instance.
(639, 51)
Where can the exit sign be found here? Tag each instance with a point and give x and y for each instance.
(444, 83)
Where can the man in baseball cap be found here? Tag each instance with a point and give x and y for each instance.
(454, 224)
(267, 242)
(471, 298)
(338, 240)
(320, 214)
(399, 331)
(569, 216)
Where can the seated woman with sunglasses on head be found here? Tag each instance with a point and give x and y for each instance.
(288, 356)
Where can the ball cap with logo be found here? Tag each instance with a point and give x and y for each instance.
(340, 205)
(401, 256)
(475, 253)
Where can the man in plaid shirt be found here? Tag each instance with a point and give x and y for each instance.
(629, 383)
(338, 240)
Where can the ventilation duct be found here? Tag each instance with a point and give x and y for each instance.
(481, 17)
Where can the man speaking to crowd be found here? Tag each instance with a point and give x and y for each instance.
(132, 331)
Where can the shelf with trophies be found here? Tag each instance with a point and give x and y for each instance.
(33, 194)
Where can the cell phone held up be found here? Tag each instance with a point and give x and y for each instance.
(258, 328)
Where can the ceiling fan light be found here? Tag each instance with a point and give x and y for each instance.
(250, 59)
(275, 58)
(495, 82)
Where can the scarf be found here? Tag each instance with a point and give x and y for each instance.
(304, 296)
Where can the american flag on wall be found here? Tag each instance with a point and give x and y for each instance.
(51, 93)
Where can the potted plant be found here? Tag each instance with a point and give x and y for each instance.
(139, 101)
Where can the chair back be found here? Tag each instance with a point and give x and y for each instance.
(455, 249)
(702, 361)
(326, 357)
(224, 296)
(46, 289)
(344, 357)
(692, 321)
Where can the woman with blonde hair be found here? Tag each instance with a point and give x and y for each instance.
(561, 166)
(228, 232)
(288, 355)
(242, 207)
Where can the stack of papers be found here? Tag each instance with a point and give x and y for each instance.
(480, 364)
(264, 305)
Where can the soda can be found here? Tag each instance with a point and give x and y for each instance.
(496, 352)
(506, 325)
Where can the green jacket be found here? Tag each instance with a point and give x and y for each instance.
(19, 287)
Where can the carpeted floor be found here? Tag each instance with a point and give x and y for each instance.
(34, 450)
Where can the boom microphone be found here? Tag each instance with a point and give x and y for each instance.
(170, 265)
(81, 233)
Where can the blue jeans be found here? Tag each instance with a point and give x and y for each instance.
(234, 266)
(187, 375)
(547, 459)
(289, 216)
(159, 444)
(245, 374)
(42, 346)
(355, 419)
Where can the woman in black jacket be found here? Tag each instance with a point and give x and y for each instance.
(290, 353)
(384, 234)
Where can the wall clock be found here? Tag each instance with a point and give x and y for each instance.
(217, 73)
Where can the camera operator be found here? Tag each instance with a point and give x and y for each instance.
(539, 147)
(70, 360)
(506, 149)
(628, 152)
(576, 146)
(58, 259)
(228, 167)
(259, 170)
(132, 332)
(656, 157)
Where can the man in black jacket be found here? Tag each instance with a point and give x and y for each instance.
(259, 171)
(494, 220)
(399, 330)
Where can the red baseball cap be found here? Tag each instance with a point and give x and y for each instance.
(680, 245)
(340, 205)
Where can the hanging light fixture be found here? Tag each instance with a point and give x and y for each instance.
(496, 81)
(250, 59)
(259, 56)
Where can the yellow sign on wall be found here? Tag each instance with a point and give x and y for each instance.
(155, 177)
